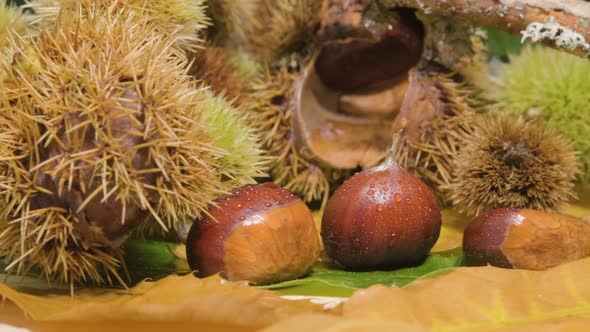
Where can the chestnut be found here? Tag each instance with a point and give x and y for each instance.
(260, 233)
(381, 218)
(525, 239)
(374, 51)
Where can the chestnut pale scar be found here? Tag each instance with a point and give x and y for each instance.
(247, 254)
(543, 240)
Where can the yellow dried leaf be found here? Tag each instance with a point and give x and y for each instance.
(481, 299)
(175, 298)
(317, 218)
(451, 232)
(180, 252)
(327, 323)
(575, 210)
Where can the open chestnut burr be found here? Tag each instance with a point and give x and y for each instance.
(353, 88)
(349, 93)
(338, 77)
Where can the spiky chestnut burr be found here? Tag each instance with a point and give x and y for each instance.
(382, 217)
(316, 142)
(525, 239)
(234, 135)
(227, 17)
(226, 72)
(12, 20)
(316, 133)
(241, 157)
(436, 112)
(270, 29)
(260, 233)
(508, 162)
(183, 20)
(272, 111)
(555, 97)
(13, 24)
(108, 131)
(441, 87)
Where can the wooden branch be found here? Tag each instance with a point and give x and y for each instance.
(563, 24)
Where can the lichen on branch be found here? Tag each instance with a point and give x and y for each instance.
(563, 24)
(563, 37)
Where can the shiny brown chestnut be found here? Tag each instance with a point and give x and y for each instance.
(260, 233)
(525, 239)
(371, 51)
(381, 218)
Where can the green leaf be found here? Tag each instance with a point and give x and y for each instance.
(206, 304)
(152, 260)
(469, 299)
(330, 281)
(501, 43)
(144, 260)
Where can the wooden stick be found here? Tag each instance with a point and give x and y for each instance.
(563, 24)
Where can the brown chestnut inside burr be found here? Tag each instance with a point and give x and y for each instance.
(381, 218)
(370, 51)
(259, 233)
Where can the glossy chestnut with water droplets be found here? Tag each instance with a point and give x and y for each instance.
(381, 218)
(260, 233)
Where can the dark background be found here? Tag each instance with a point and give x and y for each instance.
(16, 2)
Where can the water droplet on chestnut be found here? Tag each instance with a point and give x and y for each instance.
(273, 240)
(381, 231)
